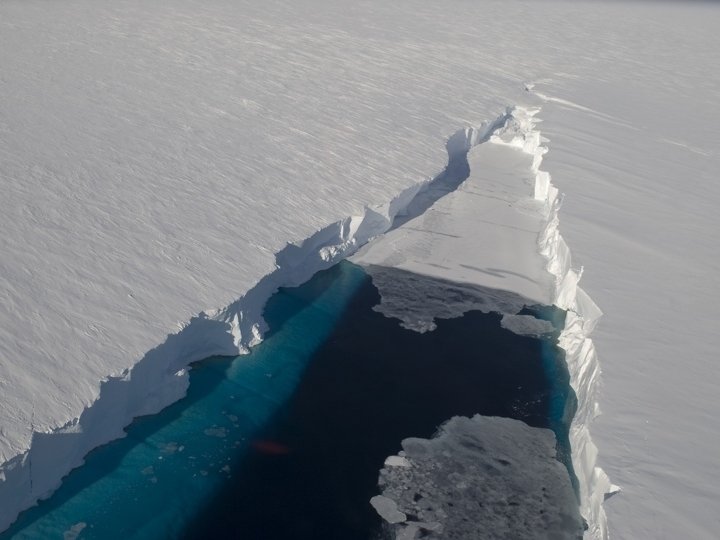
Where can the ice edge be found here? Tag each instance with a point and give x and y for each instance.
(161, 377)
(582, 316)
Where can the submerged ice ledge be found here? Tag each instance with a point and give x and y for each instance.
(160, 377)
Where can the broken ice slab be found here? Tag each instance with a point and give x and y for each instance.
(481, 477)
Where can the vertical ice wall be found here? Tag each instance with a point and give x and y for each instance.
(160, 377)
(582, 315)
(147, 388)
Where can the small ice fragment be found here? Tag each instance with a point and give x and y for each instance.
(396, 461)
(387, 508)
(408, 533)
(219, 432)
(73, 532)
(526, 325)
(430, 526)
(169, 448)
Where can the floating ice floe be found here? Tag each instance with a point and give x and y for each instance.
(480, 477)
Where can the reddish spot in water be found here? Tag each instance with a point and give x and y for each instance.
(271, 448)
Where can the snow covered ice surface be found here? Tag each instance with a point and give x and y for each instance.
(481, 477)
(641, 215)
(482, 237)
(156, 156)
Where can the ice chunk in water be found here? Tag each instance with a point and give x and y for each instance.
(387, 508)
(480, 477)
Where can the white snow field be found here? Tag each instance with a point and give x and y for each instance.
(156, 157)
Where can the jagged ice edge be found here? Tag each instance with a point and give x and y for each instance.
(582, 316)
(161, 376)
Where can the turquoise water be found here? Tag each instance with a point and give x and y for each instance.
(287, 442)
(149, 484)
(370, 385)
(563, 401)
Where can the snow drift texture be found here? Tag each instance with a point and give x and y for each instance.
(155, 156)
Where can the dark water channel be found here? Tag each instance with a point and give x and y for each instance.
(287, 442)
(371, 384)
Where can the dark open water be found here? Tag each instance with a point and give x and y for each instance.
(370, 385)
(286, 443)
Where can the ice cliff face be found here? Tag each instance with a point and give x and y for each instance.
(582, 315)
(162, 378)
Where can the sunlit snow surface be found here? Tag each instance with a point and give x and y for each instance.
(147, 148)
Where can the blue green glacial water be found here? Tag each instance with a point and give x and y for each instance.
(287, 442)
